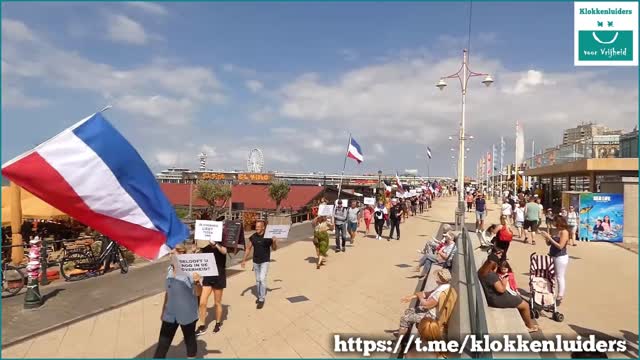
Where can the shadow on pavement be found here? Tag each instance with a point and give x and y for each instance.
(584, 332)
(179, 351)
(51, 294)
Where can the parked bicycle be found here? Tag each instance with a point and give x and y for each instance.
(79, 262)
(12, 279)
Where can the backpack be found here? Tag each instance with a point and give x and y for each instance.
(505, 235)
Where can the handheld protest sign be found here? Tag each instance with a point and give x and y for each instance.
(203, 264)
(325, 210)
(208, 230)
(369, 201)
(277, 231)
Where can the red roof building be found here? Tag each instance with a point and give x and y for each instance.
(254, 197)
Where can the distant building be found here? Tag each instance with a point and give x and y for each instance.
(585, 131)
(629, 144)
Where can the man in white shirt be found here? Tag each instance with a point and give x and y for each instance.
(506, 210)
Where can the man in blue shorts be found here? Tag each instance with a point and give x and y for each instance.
(481, 213)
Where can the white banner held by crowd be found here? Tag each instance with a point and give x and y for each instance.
(277, 231)
(208, 230)
(325, 210)
(369, 201)
(203, 264)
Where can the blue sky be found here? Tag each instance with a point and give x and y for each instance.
(295, 78)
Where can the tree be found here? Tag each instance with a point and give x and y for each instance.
(278, 191)
(216, 195)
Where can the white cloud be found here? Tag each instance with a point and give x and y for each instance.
(13, 97)
(254, 85)
(16, 30)
(527, 82)
(166, 158)
(160, 91)
(263, 114)
(149, 7)
(125, 30)
(378, 148)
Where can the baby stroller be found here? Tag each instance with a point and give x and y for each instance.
(542, 277)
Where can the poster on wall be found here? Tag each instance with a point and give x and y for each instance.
(601, 217)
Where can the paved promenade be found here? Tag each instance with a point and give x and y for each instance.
(601, 297)
(356, 292)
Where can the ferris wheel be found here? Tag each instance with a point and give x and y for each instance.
(255, 162)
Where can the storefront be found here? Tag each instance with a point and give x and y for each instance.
(579, 175)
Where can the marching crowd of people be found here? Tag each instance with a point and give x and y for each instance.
(187, 295)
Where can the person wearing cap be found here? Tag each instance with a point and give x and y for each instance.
(427, 302)
(180, 308)
(340, 219)
(432, 244)
(395, 215)
(440, 256)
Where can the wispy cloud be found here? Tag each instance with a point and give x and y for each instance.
(149, 7)
(123, 29)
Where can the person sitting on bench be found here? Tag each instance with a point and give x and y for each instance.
(434, 242)
(440, 256)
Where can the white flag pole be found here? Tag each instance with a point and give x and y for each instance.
(344, 165)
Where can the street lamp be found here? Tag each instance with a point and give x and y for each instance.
(379, 179)
(463, 75)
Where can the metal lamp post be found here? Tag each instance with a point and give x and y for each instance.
(463, 75)
(379, 179)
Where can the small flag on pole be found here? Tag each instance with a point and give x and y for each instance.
(355, 152)
(399, 184)
(429, 152)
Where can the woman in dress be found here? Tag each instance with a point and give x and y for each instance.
(368, 214)
(321, 238)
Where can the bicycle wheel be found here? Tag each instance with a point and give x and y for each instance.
(124, 265)
(12, 280)
(73, 265)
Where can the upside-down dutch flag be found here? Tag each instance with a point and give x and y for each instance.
(91, 172)
(355, 152)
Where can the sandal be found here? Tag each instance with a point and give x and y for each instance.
(533, 329)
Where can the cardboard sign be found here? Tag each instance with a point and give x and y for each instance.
(209, 230)
(412, 191)
(419, 190)
(277, 231)
(369, 201)
(203, 264)
(345, 203)
(233, 233)
(325, 210)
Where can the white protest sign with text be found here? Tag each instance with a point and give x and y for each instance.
(369, 201)
(277, 231)
(203, 264)
(325, 210)
(208, 230)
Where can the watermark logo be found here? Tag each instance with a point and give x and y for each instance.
(605, 33)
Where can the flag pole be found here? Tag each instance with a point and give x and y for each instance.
(344, 165)
(515, 163)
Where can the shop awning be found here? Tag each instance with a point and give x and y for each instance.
(32, 207)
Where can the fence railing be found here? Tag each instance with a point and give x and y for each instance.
(475, 294)
(600, 147)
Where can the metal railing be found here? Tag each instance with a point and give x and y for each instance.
(475, 294)
(601, 146)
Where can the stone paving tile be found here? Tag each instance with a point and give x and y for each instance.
(75, 341)
(17, 351)
(47, 345)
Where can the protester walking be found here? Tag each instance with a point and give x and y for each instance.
(321, 238)
(261, 258)
(506, 211)
(519, 218)
(395, 215)
(180, 308)
(215, 285)
(353, 217)
(504, 237)
(367, 216)
(469, 200)
(340, 218)
(379, 216)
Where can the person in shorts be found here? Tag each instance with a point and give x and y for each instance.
(481, 212)
(213, 285)
(519, 218)
(353, 216)
(469, 200)
(531, 220)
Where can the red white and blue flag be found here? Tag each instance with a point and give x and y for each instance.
(399, 184)
(355, 152)
(91, 172)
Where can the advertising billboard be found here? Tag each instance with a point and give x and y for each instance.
(601, 217)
